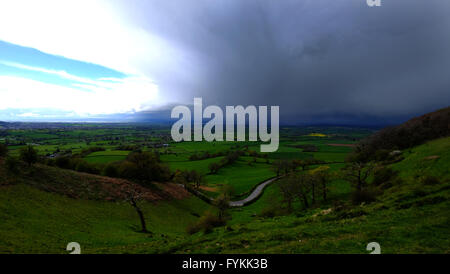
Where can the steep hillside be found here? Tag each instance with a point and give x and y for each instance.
(414, 132)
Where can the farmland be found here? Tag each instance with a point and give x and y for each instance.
(50, 204)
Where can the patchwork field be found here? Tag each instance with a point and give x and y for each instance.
(43, 208)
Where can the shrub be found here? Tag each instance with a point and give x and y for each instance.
(50, 162)
(83, 166)
(269, 212)
(3, 150)
(206, 223)
(63, 162)
(430, 180)
(381, 154)
(111, 170)
(29, 155)
(128, 170)
(144, 167)
(12, 164)
(384, 175)
(214, 168)
(363, 196)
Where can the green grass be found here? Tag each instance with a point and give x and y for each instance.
(104, 157)
(241, 176)
(34, 221)
(408, 217)
(200, 165)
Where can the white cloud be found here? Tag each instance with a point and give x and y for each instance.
(60, 73)
(28, 114)
(122, 96)
(92, 31)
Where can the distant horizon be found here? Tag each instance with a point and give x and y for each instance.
(159, 120)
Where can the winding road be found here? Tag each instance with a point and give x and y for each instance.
(254, 195)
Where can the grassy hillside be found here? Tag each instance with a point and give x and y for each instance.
(44, 208)
(34, 221)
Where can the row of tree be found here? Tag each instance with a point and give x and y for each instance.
(283, 166)
(306, 187)
(229, 159)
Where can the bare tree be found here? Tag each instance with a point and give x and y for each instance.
(303, 187)
(222, 204)
(133, 197)
(357, 173)
(287, 188)
(322, 179)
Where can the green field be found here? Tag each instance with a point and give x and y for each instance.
(31, 225)
(103, 157)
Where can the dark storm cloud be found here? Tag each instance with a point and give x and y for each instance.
(318, 60)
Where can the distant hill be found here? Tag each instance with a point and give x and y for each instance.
(412, 133)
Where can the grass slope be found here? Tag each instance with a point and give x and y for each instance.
(44, 208)
(409, 217)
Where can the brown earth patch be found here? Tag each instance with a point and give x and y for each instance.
(79, 185)
(209, 188)
(342, 145)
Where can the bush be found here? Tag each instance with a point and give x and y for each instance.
(3, 150)
(363, 196)
(63, 162)
(50, 162)
(83, 166)
(29, 155)
(144, 167)
(12, 164)
(206, 223)
(381, 154)
(111, 170)
(384, 175)
(430, 180)
(269, 212)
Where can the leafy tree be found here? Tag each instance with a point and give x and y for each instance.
(143, 167)
(29, 155)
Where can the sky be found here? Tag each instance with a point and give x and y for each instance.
(321, 61)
